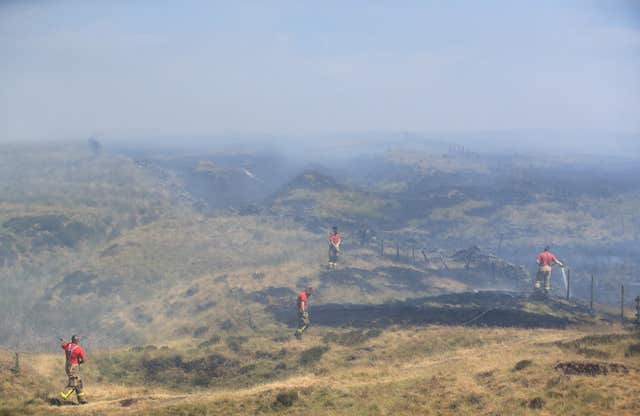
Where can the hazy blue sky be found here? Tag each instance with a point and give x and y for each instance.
(70, 69)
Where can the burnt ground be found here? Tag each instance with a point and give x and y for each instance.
(589, 368)
(400, 278)
(406, 278)
(494, 309)
(350, 276)
(272, 294)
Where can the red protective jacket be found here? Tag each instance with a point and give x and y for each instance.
(73, 352)
(546, 259)
(302, 298)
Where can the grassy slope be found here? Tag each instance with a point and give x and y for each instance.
(107, 194)
(405, 370)
(473, 200)
(177, 275)
(167, 273)
(146, 267)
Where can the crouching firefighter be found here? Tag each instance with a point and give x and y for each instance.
(75, 356)
(334, 247)
(303, 312)
(545, 260)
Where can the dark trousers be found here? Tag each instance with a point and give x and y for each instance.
(333, 255)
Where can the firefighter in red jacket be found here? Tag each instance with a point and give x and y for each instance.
(334, 247)
(75, 356)
(545, 261)
(303, 312)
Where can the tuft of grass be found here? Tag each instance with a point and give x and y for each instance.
(632, 350)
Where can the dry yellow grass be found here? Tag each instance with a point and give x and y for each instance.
(405, 371)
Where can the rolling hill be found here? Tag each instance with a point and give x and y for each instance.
(184, 299)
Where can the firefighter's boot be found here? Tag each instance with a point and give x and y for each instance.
(81, 397)
(66, 393)
(300, 331)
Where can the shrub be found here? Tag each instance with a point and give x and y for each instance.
(536, 403)
(285, 399)
(266, 354)
(211, 341)
(312, 355)
(633, 349)
(200, 331)
(191, 291)
(175, 370)
(521, 365)
(49, 230)
(227, 325)
(235, 343)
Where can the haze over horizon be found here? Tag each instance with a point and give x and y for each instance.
(201, 69)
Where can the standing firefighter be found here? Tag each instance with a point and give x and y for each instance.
(303, 312)
(75, 356)
(334, 247)
(545, 261)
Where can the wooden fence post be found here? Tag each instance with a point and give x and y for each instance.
(444, 263)
(591, 302)
(16, 363)
(622, 303)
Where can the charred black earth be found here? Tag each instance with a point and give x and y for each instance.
(491, 309)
